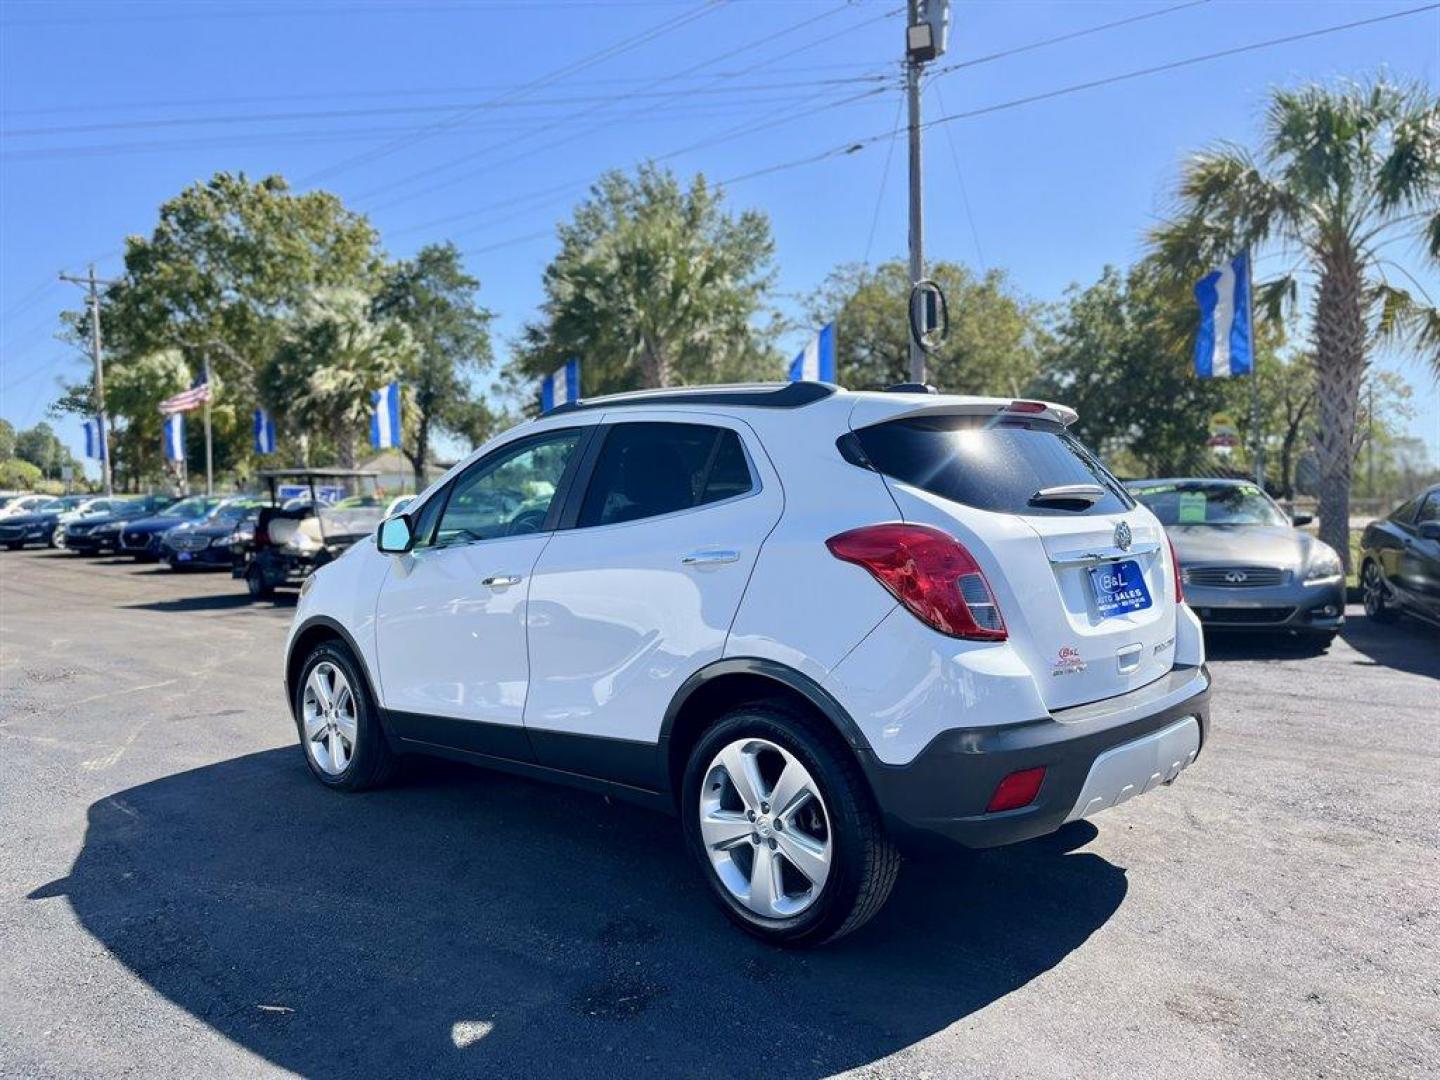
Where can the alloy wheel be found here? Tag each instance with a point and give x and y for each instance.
(765, 828)
(1374, 590)
(329, 716)
(57, 538)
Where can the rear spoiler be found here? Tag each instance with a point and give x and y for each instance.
(876, 410)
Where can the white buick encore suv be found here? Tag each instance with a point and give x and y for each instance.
(822, 627)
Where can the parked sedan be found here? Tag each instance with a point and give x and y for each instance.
(205, 544)
(1400, 560)
(1244, 564)
(140, 537)
(92, 534)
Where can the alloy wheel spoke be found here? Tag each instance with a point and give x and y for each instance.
(744, 772)
(723, 829)
(346, 724)
(320, 687)
(764, 881)
(790, 791)
(807, 855)
(315, 726)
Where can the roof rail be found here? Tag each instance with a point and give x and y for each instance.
(752, 395)
(911, 388)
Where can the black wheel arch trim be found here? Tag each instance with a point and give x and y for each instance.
(777, 672)
(330, 624)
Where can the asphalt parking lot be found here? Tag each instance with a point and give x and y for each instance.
(179, 898)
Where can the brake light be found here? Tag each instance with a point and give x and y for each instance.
(261, 536)
(928, 571)
(1026, 406)
(1175, 571)
(1016, 790)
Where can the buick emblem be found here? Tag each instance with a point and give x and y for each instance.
(1122, 536)
(1236, 577)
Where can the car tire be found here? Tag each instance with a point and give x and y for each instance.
(260, 589)
(344, 744)
(57, 538)
(1372, 589)
(860, 863)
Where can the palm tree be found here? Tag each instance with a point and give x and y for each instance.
(1345, 176)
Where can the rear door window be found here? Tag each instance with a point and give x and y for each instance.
(647, 469)
(991, 465)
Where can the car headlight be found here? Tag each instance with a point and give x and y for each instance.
(225, 541)
(1323, 563)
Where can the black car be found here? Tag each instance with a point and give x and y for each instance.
(1400, 560)
(37, 527)
(141, 537)
(96, 533)
(206, 544)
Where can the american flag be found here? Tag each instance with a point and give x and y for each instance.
(197, 395)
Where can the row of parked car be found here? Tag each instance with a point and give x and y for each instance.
(307, 518)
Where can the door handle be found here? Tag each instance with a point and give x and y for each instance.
(710, 557)
(499, 581)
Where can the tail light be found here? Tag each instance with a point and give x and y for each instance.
(1175, 571)
(261, 536)
(928, 571)
(1026, 406)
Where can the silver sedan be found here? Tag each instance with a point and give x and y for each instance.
(1244, 564)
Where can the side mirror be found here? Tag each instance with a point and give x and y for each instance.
(1301, 519)
(1430, 530)
(394, 536)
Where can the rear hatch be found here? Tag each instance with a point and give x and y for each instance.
(1078, 569)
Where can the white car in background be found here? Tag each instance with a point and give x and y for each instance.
(822, 627)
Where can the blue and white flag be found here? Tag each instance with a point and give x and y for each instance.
(560, 387)
(175, 437)
(385, 417)
(264, 432)
(816, 362)
(1223, 346)
(94, 446)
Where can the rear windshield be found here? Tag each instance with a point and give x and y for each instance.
(990, 464)
(1210, 504)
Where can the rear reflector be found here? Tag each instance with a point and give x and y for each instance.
(1016, 790)
(928, 571)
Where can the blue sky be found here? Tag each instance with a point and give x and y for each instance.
(482, 121)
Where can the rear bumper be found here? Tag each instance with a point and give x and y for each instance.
(939, 798)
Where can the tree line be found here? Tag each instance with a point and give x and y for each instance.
(291, 301)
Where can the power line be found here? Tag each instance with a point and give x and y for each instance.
(212, 120)
(858, 145)
(960, 180)
(660, 81)
(588, 61)
(884, 178)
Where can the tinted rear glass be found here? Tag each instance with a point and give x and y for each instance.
(990, 465)
(647, 469)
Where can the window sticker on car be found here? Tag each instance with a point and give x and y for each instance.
(1192, 508)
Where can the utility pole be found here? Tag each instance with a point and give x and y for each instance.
(92, 283)
(917, 206)
(927, 27)
(209, 442)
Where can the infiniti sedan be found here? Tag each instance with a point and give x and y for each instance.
(1244, 564)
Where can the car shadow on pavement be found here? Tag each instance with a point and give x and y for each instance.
(1242, 645)
(1406, 644)
(469, 922)
(218, 602)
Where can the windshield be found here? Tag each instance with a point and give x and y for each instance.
(1210, 504)
(232, 513)
(188, 508)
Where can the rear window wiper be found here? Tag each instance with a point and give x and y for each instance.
(1086, 495)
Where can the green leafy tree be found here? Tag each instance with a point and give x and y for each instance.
(19, 475)
(7, 440)
(436, 300)
(335, 354)
(1342, 175)
(41, 447)
(655, 285)
(994, 335)
(228, 265)
(1114, 360)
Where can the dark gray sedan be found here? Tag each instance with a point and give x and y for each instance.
(1244, 564)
